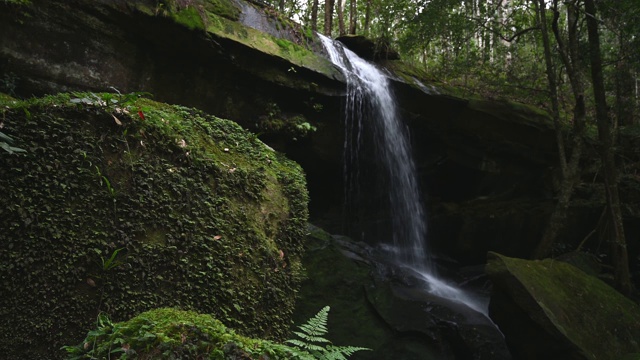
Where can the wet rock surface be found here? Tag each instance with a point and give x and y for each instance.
(389, 309)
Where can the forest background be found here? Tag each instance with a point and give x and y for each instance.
(577, 59)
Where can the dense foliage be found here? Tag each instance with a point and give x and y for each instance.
(121, 204)
(492, 47)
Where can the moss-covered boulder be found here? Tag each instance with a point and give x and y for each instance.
(552, 310)
(169, 333)
(122, 204)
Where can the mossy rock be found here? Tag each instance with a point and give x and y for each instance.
(169, 333)
(552, 310)
(219, 20)
(192, 13)
(122, 204)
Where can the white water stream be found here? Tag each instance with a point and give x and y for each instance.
(371, 104)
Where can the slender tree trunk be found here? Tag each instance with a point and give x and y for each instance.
(367, 17)
(328, 17)
(553, 87)
(352, 16)
(569, 56)
(619, 254)
(314, 15)
(625, 109)
(341, 28)
(281, 5)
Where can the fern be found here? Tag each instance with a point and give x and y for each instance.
(312, 344)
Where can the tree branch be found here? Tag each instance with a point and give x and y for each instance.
(498, 33)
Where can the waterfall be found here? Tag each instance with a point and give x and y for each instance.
(370, 100)
(370, 104)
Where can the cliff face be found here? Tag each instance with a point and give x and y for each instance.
(487, 167)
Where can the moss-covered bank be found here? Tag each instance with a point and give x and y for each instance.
(122, 204)
(220, 19)
(172, 334)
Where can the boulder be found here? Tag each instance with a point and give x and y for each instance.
(552, 310)
(121, 204)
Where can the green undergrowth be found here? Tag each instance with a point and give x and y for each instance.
(6, 100)
(169, 333)
(121, 204)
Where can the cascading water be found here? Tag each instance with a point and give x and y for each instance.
(370, 103)
(369, 98)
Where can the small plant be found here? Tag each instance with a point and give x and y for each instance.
(313, 345)
(305, 128)
(5, 143)
(106, 264)
(111, 262)
(104, 181)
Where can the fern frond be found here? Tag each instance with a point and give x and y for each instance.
(303, 345)
(317, 325)
(312, 345)
(341, 352)
(297, 353)
(311, 338)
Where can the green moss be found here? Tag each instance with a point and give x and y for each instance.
(293, 53)
(284, 44)
(208, 218)
(224, 8)
(18, 2)
(189, 17)
(6, 99)
(193, 14)
(220, 19)
(171, 333)
(590, 314)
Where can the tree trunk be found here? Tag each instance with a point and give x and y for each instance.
(619, 254)
(551, 79)
(281, 5)
(367, 17)
(341, 28)
(328, 17)
(625, 83)
(314, 15)
(352, 16)
(571, 61)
